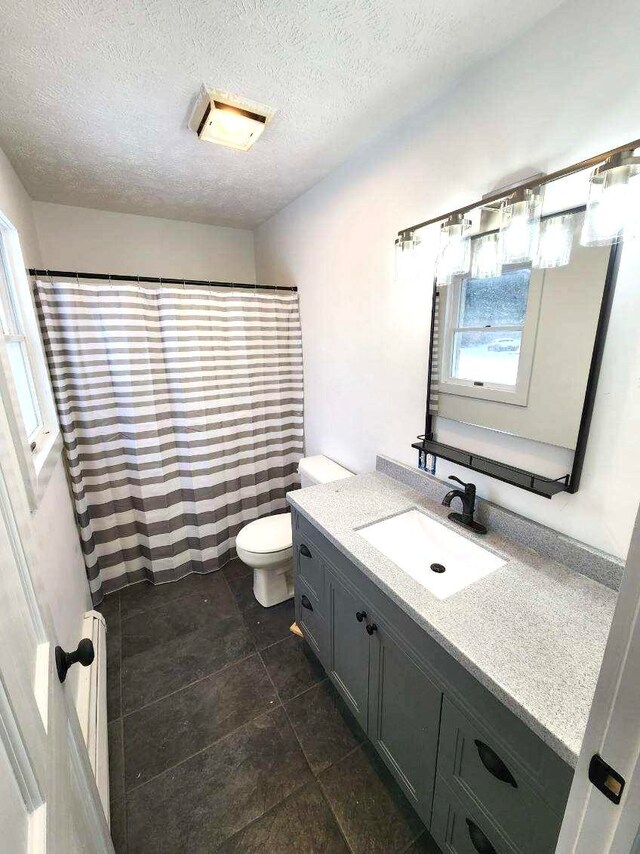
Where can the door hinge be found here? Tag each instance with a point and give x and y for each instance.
(606, 779)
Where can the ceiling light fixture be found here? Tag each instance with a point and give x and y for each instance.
(226, 120)
(609, 196)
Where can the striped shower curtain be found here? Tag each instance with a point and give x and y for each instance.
(181, 412)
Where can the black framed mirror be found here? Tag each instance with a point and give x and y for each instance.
(514, 360)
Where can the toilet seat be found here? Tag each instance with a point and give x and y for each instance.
(269, 535)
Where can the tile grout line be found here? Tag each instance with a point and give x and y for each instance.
(188, 685)
(328, 802)
(203, 749)
(278, 704)
(207, 675)
(315, 777)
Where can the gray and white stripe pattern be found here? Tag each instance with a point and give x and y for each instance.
(181, 411)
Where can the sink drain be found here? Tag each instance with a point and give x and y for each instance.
(438, 567)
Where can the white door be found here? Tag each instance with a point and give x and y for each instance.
(593, 824)
(48, 797)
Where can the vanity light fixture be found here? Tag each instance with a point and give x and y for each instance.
(454, 258)
(520, 225)
(609, 199)
(554, 244)
(406, 246)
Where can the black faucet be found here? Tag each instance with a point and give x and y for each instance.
(468, 498)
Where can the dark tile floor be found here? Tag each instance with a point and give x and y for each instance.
(225, 735)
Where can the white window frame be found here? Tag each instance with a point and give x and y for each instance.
(36, 463)
(517, 394)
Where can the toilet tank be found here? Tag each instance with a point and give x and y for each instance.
(320, 469)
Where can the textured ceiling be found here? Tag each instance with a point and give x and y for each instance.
(95, 96)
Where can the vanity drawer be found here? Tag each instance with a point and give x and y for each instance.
(461, 828)
(310, 620)
(310, 568)
(479, 767)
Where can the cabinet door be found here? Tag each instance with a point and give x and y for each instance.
(348, 648)
(404, 719)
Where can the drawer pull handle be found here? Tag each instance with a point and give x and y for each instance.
(304, 550)
(478, 839)
(371, 628)
(360, 615)
(494, 764)
(304, 601)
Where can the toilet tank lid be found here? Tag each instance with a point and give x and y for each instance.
(321, 469)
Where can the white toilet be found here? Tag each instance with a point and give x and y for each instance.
(266, 545)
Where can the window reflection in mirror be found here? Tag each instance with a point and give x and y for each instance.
(512, 350)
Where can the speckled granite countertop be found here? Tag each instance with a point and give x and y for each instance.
(533, 632)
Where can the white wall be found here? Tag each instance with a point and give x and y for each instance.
(60, 570)
(566, 90)
(96, 241)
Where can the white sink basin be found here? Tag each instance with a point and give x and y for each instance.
(414, 542)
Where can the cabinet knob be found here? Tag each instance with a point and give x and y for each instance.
(304, 550)
(304, 601)
(84, 654)
(371, 628)
(494, 764)
(478, 839)
(360, 615)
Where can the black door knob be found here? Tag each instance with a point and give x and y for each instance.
(371, 628)
(306, 603)
(360, 615)
(304, 550)
(84, 654)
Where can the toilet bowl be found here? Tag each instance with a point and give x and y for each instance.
(266, 545)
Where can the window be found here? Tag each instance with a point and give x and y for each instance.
(490, 334)
(25, 392)
(17, 351)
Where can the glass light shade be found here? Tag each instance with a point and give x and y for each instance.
(485, 257)
(455, 248)
(520, 225)
(406, 259)
(554, 244)
(607, 206)
(632, 224)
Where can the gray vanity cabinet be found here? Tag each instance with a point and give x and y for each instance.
(348, 664)
(478, 777)
(404, 718)
(393, 700)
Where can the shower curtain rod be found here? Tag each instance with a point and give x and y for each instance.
(114, 277)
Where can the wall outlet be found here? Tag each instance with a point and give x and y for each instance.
(427, 462)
